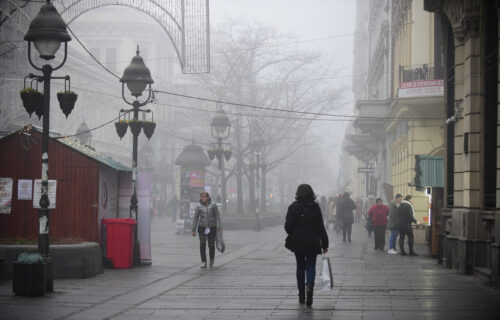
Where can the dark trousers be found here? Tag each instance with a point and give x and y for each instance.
(306, 265)
(379, 236)
(402, 233)
(346, 229)
(203, 243)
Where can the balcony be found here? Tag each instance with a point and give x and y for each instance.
(420, 81)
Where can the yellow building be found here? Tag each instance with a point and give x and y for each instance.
(399, 91)
(416, 125)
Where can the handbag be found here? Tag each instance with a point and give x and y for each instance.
(326, 279)
(369, 224)
(288, 242)
(219, 242)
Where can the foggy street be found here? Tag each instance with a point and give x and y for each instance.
(133, 132)
(255, 279)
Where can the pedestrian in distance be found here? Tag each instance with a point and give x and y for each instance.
(306, 238)
(207, 222)
(323, 207)
(392, 223)
(405, 219)
(378, 213)
(172, 207)
(346, 216)
(338, 222)
(330, 217)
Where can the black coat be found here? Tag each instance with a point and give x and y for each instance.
(405, 216)
(304, 224)
(346, 206)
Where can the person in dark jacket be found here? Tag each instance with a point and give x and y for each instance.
(392, 222)
(308, 238)
(345, 211)
(404, 221)
(378, 213)
(207, 219)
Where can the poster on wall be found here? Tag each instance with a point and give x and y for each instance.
(37, 193)
(24, 189)
(5, 195)
(196, 178)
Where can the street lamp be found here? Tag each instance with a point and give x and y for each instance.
(220, 128)
(137, 77)
(46, 31)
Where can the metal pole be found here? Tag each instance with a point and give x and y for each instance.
(257, 207)
(43, 212)
(133, 199)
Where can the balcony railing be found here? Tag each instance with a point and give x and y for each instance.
(419, 72)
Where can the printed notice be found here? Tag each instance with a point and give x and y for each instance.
(5, 195)
(24, 189)
(37, 193)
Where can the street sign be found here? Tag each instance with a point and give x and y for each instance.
(366, 170)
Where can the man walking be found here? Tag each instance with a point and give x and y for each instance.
(392, 223)
(378, 213)
(405, 218)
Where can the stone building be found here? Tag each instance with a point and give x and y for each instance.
(470, 227)
(398, 88)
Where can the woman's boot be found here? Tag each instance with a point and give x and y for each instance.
(302, 295)
(309, 292)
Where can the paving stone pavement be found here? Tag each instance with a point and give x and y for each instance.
(255, 279)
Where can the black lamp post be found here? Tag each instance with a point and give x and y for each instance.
(47, 31)
(137, 77)
(221, 126)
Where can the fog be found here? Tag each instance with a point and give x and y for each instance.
(280, 70)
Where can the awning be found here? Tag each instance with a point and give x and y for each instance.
(429, 171)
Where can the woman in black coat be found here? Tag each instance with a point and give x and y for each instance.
(346, 207)
(307, 238)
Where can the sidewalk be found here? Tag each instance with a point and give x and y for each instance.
(255, 279)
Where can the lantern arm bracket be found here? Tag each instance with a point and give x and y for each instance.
(53, 69)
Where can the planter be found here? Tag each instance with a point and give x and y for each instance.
(149, 129)
(211, 154)
(32, 100)
(135, 127)
(67, 101)
(121, 128)
(227, 154)
(28, 279)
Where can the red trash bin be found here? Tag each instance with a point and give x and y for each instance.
(120, 241)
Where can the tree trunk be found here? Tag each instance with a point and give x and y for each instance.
(251, 189)
(239, 171)
(263, 189)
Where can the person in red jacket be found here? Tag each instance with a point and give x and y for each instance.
(378, 214)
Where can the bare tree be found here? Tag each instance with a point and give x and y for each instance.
(255, 65)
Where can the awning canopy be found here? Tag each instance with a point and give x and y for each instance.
(429, 171)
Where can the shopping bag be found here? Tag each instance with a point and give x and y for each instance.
(326, 279)
(219, 242)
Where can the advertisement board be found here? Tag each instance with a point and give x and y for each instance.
(421, 88)
(5, 195)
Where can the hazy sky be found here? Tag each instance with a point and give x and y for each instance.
(324, 25)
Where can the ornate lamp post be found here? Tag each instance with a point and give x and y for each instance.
(221, 126)
(47, 31)
(137, 77)
(258, 146)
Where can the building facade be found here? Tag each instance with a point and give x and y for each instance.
(470, 220)
(399, 93)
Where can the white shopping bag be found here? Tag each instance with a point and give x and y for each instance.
(326, 279)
